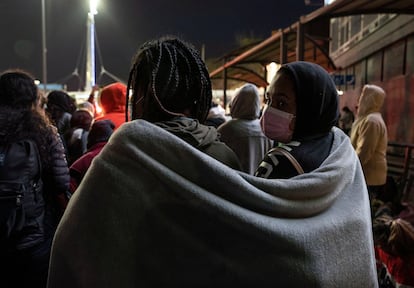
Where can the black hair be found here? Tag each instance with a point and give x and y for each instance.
(21, 116)
(17, 89)
(171, 79)
(58, 103)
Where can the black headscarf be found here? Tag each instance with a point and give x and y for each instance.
(316, 99)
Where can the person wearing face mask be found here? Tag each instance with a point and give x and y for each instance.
(301, 110)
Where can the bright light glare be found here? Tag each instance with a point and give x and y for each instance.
(98, 109)
(93, 5)
(271, 70)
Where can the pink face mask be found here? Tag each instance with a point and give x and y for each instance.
(276, 124)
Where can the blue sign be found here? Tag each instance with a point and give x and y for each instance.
(51, 86)
(344, 79)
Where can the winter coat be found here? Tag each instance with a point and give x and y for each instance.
(79, 167)
(76, 141)
(369, 135)
(112, 100)
(97, 138)
(55, 172)
(56, 182)
(243, 133)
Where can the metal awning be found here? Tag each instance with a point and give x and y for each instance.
(355, 7)
(307, 40)
(280, 47)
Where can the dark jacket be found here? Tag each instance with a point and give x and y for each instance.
(79, 167)
(76, 137)
(19, 125)
(59, 108)
(97, 138)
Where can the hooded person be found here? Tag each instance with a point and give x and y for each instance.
(88, 106)
(369, 137)
(302, 108)
(76, 137)
(155, 210)
(243, 133)
(112, 100)
(97, 138)
(59, 109)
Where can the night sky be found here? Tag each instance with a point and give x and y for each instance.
(123, 25)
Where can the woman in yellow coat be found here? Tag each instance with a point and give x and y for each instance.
(369, 138)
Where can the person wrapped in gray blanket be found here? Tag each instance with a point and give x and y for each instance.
(172, 89)
(154, 210)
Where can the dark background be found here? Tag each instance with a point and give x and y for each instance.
(123, 25)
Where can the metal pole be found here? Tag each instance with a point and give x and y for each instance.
(90, 61)
(283, 48)
(300, 42)
(225, 87)
(44, 49)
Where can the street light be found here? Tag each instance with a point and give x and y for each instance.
(44, 49)
(90, 61)
(93, 4)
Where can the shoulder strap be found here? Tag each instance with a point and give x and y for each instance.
(290, 157)
(39, 161)
(33, 147)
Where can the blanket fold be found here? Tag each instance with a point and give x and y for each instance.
(154, 211)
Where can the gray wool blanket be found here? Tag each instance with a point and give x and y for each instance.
(153, 211)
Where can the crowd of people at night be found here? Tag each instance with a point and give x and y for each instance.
(164, 188)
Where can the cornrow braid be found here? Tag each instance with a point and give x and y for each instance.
(171, 79)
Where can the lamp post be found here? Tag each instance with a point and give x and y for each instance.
(44, 49)
(90, 56)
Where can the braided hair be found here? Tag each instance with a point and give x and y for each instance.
(170, 78)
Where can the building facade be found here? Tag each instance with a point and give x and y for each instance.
(377, 49)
